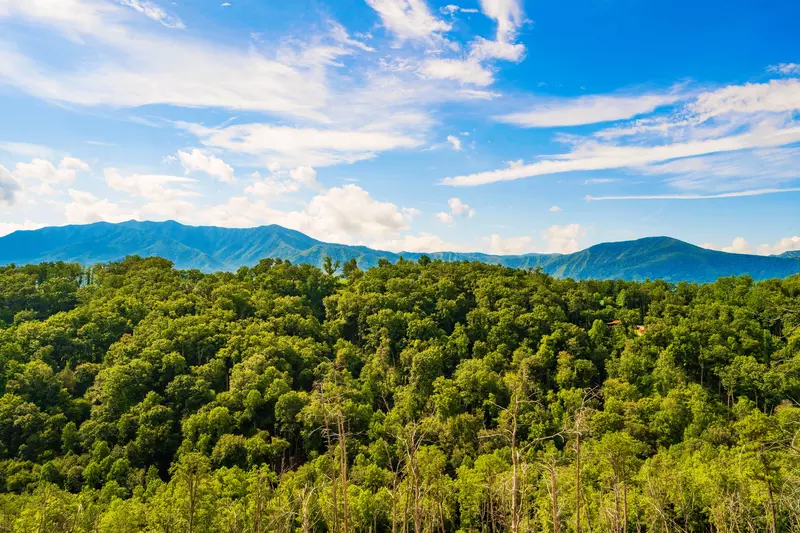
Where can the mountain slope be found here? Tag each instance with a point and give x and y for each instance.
(791, 254)
(213, 248)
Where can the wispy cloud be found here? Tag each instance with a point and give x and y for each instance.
(409, 19)
(587, 110)
(737, 194)
(786, 69)
(291, 146)
(155, 12)
(731, 119)
(460, 70)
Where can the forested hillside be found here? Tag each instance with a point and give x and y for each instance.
(212, 249)
(412, 397)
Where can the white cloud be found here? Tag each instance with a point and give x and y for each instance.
(785, 68)
(44, 171)
(153, 11)
(784, 245)
(27, 149)
(210, 164)
(409, 19)
(291, 146)
(738, 246)
(305, 176)
(340, 34)
(587, 110)
(346, 214)
(141, 67)
(482, 49)
(455, 142)
(444, 218)
(46, 174)
(9, 187)
(563, 239)
(86, 208)
(595, 156)
(775, 96)
(459, 208)
(554, 209)
(452, 9)
(6, 228)
(747, 169)
(272, 189)
(497, 245)
(726, 120)
(509, 17)
(150, 186)
(598, 181)
(422, 242)
(741, 246)
(464, 71)
(737, 194)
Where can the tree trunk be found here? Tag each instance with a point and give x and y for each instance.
(578, 483)
(554, 499)
(515, 514)
(343, 465)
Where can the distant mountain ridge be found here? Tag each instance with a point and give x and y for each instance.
(210, 248)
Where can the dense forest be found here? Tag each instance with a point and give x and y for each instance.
(413, 397)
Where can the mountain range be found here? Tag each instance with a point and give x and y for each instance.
(210, 248)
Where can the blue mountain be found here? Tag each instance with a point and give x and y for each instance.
(212, 248)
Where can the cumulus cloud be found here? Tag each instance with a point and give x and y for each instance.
(738, 246)
(563, 239)
(497, 245)
(455, 142)
(281, 183)
(9, 187)
(741, 246)
(457, 209)
(786, 244)
(44, 171)
(554, 209)
(305, 176)
(272, 189)
(45, 175)
(6, 227)
(444, 218)
(210, 164)
(86, 208)
(346, 214)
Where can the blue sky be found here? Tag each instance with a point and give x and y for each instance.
(494, 125)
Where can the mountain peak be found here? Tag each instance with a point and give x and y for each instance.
(212, 248)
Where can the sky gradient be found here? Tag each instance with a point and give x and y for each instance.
(499, 126)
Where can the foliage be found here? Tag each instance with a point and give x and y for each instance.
(420, 396)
